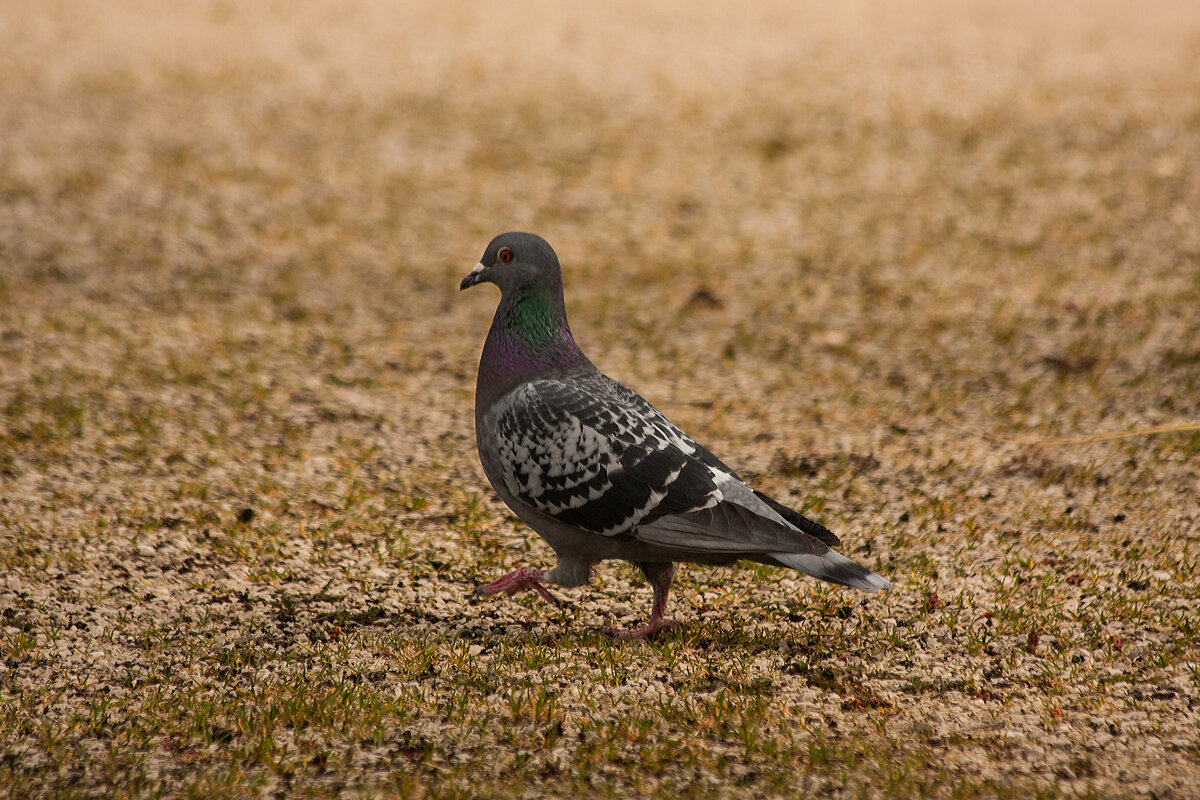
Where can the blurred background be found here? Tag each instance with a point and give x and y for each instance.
(985, 207)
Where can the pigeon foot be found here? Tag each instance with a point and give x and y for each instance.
(650, 630)
(518, 581)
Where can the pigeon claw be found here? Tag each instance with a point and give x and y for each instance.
(650, 630)
(518, 581)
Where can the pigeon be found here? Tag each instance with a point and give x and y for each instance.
(599, 472)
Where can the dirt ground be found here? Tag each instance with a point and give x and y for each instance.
(915, 269)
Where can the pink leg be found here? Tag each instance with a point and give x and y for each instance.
(518, 581)
(660, 576)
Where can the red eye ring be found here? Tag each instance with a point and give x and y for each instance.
(505, 255)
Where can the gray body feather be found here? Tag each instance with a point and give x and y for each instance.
(601, 473)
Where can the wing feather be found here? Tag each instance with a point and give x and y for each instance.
(592, 453)
(728, 528)
(582, 453)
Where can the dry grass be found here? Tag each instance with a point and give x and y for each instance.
(240, 511)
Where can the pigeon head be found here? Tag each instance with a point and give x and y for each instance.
(514, 261)
(529, 334)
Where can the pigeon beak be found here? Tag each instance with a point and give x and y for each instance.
(473, 277)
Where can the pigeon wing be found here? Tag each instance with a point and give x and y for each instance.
(592, 453)
(578, 451)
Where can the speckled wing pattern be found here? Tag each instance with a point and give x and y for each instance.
(594, 454)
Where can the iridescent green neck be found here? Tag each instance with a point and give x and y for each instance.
(529, 336)
(536, 316)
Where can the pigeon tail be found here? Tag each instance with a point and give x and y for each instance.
(833, 567)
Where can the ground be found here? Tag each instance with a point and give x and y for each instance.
(914, 269)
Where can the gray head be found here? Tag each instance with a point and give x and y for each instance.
(529, 334)
(514, 261)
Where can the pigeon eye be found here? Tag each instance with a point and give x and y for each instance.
(505, 255)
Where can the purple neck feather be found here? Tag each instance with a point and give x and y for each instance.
(529, 337)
